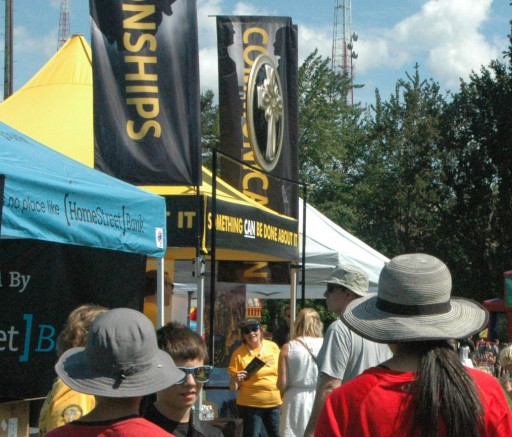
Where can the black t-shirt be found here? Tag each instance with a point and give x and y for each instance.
(194, 428)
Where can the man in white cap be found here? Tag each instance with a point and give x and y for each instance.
(344, 354)
(120, 363)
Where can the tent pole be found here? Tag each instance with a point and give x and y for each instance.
(200, 295)
(160, 287)
(199, 273)
(213, 269)
(304, 209)
(293, 297)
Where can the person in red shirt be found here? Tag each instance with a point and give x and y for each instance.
(423, 390)
(120, 363)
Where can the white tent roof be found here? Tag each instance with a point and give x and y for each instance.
(327, 244)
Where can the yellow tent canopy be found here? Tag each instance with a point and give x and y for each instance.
(55, 108)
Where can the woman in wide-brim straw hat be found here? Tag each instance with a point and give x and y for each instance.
(424, 390)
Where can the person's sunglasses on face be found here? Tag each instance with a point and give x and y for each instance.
(248, 329)
(331, 289)
(201, 374)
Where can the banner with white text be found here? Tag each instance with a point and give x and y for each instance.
(146, 91)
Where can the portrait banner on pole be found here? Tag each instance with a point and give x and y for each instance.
(146, 91)
(258, 69)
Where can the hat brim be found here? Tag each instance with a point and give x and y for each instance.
(342, 284)
(74, 370)
(465, 318)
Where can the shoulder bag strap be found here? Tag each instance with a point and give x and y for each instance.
(307, 348)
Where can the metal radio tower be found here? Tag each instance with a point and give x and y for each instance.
(343, 55)
(63, 23)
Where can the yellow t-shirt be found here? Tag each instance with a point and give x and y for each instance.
(63, 405)
(260, 389)
(151, 311)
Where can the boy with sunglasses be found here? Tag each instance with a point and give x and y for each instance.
(172, 409)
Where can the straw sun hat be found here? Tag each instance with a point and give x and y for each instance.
(413, 304)
(121, 358)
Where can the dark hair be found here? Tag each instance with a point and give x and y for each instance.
(151, 282)
(444, 389)
(181, 343)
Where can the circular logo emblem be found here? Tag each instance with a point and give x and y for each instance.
(265, 112)
(71, 413)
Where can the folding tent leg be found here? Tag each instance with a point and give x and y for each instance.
(160, 290)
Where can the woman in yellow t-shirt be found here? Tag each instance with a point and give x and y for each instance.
(258, 398)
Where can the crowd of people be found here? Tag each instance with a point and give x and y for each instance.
(401, 362)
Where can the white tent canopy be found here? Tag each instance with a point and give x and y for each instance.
(327, 244)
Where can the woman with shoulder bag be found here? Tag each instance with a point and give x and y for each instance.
(298, 373)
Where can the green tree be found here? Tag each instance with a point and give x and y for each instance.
(329, 128)
(478, 143)
(273, 309)
(210, 129)
(398, 191)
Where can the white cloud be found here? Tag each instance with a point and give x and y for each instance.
(242, 8)
(208, 68)
(444, 37)
(28, 43)
(309, 37)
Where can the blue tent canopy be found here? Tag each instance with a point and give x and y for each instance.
(51, 197)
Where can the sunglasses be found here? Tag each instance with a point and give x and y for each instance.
(249, 329)
(201, 374)
(332, 288)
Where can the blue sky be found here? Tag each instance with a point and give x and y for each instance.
(447, 38)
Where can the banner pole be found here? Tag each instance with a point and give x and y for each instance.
(303, 273)
(213, 255)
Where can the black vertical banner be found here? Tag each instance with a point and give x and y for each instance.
(146, 91)
(258, 67)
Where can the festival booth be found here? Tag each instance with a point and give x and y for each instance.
(60, 95)
(327, 245)
(69, 235)
(59, 100)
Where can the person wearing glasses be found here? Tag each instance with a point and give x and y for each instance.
(172, 409)
(424, 389)
(253, 370)
(344, 354)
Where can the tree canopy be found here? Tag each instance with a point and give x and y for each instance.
(423, 171)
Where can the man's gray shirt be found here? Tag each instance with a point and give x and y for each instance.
(345, 355)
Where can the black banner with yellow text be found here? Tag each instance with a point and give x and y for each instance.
(258, 65)
(146, 91)
(238, 228)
